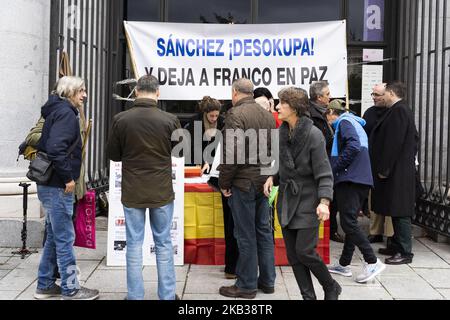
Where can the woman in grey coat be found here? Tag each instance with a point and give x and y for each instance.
(306, 189)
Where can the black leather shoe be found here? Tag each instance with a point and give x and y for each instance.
(336, 237)
(235, 292)
(375, 238)
(397, 259)
(387, 251)
(266, 289)
(333, 292)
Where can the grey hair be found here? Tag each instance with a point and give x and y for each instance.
(147, 83)
(68, 86)
(316, 89)
(244, 86)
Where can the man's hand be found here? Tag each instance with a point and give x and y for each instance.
(381, 176)
(226, 192)
(70, 187)
(323, 212)
(268, 186)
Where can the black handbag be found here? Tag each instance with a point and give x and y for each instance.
(40, 169)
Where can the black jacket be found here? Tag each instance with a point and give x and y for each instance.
(393, 146)
(321, 123)
(372, 116)
(61, 130)
(304, 176)
(191, 128)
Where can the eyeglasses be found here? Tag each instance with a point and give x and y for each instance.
(373, 94)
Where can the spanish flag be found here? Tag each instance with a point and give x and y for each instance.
(204, 233)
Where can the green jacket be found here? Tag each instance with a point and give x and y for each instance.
(141, 139)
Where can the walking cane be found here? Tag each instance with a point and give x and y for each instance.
(24, 251)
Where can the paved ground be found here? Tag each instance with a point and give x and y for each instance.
(428, 277)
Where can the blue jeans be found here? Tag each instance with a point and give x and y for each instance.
(58, 248)
(161, 223)
(254, 236)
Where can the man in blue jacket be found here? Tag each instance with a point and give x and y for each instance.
(352, 179)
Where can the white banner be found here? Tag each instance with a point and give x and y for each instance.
(116, 254)
(194, 60)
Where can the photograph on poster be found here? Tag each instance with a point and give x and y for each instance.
(119, 245)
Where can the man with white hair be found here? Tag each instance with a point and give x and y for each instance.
(61, 141)
(379, 224)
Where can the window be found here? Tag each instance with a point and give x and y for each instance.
(274, 11)
(210, 11)
(366, 20)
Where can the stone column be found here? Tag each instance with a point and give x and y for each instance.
(24, 61)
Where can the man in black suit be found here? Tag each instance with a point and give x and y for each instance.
(393, 145)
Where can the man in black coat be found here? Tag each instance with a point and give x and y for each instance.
(379, 224)
(319, 94)
(393, 145)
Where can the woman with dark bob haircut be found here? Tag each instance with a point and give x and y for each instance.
(306, 189)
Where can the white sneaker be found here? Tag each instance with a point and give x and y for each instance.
(370, 271)
(338, 269)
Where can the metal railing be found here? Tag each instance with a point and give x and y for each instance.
(90, 32)
(424, 53)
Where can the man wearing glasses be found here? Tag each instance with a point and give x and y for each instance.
(379, 224)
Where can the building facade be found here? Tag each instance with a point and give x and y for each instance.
(413, 35)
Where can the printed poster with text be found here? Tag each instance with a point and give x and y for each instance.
(117, 240)
(195, 60)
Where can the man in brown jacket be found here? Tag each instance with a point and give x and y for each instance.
(242, 179)
(141, 139)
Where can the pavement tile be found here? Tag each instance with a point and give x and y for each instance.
(445, 293)
(18, 280)
(280, 293)
(11, 263)
(6, 252)
(441, 249)
(419, 246)
(150, 273)
(203, 296)
(208, 282)
(409, 287)
(90, 254)
(103, 266)
(428, 260)
(435, 277)
(28, 294)
(400, 270)
(8, 295)
(151, 290)
(87, 267)
(112, 296)
(108, 281)
(4, 273)
(364, 293)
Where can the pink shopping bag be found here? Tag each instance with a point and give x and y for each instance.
(85, 221)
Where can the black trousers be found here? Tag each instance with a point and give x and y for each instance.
(231, 247)
(302, 255)
(333, 217)
(401, 241)
(350, 198)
